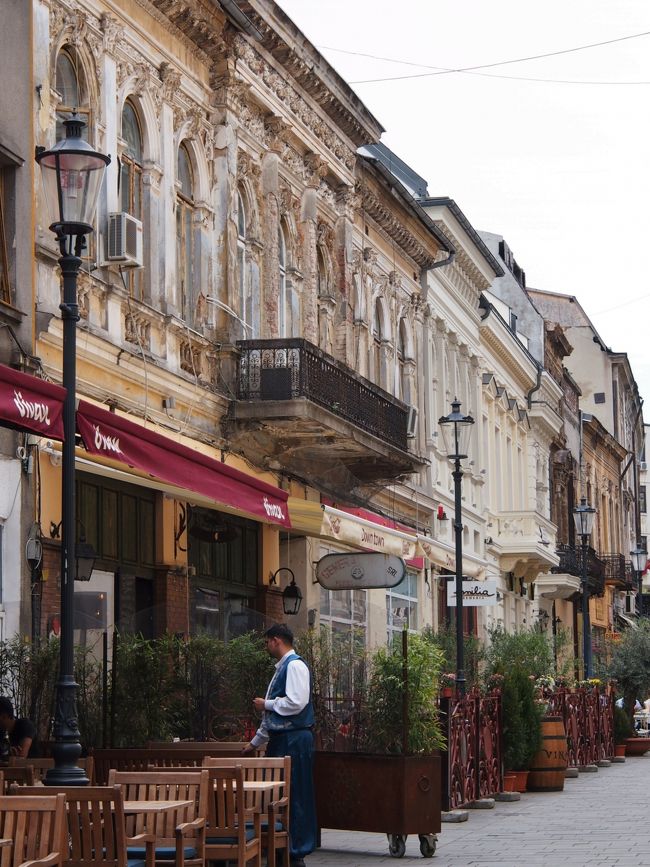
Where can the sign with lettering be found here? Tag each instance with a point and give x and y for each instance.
(361, 571)
(475, 593)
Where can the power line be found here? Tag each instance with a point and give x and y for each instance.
(623, 304)
(473, 69)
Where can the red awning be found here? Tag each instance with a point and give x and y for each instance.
(31, 404)
(112, 436)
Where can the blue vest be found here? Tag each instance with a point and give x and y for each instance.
(275, 722)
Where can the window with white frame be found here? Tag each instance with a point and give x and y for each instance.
(249, 311)
(71, 87)
(402, 606)
(185, 232)
(344, 613)
(282, 283)
(130, 180)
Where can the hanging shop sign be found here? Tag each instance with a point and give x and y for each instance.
(362, 571)
(475, 593)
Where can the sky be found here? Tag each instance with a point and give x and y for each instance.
(559, 169)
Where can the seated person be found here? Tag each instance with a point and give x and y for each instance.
(21, 732)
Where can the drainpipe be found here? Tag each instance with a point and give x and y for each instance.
(632, 463)
(536, 387)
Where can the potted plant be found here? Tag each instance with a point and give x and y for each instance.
(393, 747)
(522, 717)
(623, 729)
(630, 668)
(447, 684)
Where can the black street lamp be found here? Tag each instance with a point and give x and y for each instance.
(639, 559)
(72, 174)
(456, 431)
(583, 516)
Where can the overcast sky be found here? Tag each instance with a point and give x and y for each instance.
(560, 170)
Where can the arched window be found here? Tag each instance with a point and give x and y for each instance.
(131, 181)
(402, 343)
(184, 232)
(282, 284)
(246, 300)
(377, 338)
(71, 87)
(322, 274)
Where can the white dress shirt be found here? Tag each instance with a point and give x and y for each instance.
(296, 698)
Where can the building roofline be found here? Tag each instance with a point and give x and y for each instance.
(446, 202)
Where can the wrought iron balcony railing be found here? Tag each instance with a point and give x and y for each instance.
(571, 563)
(291, 368)
(617, 569)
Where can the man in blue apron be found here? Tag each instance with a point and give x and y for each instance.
(286, 728)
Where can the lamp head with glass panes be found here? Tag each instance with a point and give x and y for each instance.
(583, 516)
(639, 559)
(456, 432)
(72, 175)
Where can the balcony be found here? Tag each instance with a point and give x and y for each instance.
(525, 543)
(618, 571)
(571, 565)
(308, 414)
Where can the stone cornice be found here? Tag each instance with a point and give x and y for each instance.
(385, 216)
(283, 40)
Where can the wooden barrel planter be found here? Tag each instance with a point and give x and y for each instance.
(549, 764)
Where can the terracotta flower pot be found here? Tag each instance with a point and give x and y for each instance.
(637, 746)
(447, 692)
(619, 750)
(521, 778)
(509, 782)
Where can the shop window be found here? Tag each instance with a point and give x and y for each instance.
(223, 550)
(130, 181)
(344, 614)
(185, 232)
(402, 607)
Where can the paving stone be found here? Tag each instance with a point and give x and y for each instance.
(571, 774)
(508, 796)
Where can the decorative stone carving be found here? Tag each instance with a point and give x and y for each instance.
(137, 330)
(171, 80)
(112, 32)
(72, 20)
(247, 167)
(190, 358)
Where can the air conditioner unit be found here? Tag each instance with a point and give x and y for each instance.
(124, 240)
(643, 466)
(412, 422)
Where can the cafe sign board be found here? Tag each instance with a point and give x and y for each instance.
(361, 571)
(475, 593)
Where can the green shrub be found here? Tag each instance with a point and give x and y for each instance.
(630, 664)
(474, 652)
(522, 718)
(623, 728)
(384, 729)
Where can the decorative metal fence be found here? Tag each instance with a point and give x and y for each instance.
(589, 724)
(472, 766)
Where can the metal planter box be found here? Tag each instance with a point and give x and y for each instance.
(395, 795)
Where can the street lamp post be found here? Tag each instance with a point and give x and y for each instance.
(639, 559)
(72, 174)
(583, 516)
(456, 430)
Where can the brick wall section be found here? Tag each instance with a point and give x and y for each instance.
(269, 603)
(50, 584)
(171, 598)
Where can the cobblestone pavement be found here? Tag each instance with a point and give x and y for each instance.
(599, 819)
